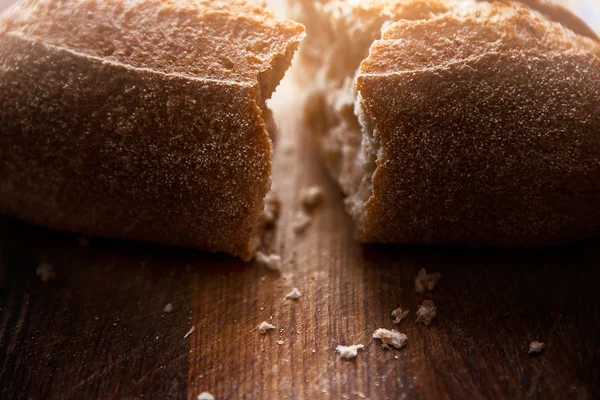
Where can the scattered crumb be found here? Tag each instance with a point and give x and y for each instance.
(84, 242)
(399, 314)
(280, 342)
(359, 394)
(536, 347)
(395, 357)
(272, 209)
(426, 312)
(168, 308)
(426, 282)
(349, 352)
(294, 294)
(205, 396)
(393, 338)
(192, 329)
(45, 272)
(314, 351)
(265, 326)
(311, 197)
(301, 221)
(263, 278)
(272, 262)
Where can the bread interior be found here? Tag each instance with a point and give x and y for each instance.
(340, 35)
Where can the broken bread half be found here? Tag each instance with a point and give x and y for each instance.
(141, 119)
(458, 122)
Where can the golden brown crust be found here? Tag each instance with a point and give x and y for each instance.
(316, 15)
(558, 13)
(549, 8)
(93, 144)
(212, 39)
(495, 143)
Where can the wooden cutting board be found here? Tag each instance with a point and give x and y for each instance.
(99, 330)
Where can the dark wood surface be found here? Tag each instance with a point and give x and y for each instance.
(99, 331)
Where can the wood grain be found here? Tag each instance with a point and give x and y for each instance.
(99, 331)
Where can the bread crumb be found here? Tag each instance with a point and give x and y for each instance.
(311, 197)
(399, 314)
(393, 338)
(271, 210)
(426, 312)
(192, 329)
(349, 352)
(314, 351)
(280, 342)
(168, 308)
(205, 396)
(45, 272)
(294, 294)
(272, 262)
(301, 221)
(84, 242)
(536, 347)
(265, 326)
(426, 282)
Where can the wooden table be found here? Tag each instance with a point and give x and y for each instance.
(99, 330)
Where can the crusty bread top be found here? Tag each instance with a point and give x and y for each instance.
(415, 9)
(470, 31)
(207, 39)
(557, 13)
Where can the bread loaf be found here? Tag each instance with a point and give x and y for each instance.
(143, 119)
(459, 122)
